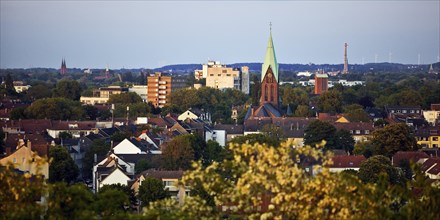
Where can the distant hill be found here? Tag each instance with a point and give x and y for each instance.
(256, 67)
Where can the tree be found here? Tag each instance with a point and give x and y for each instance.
(374, 167)
(344, 140)
(141, 165)
(111, 202)
(303, 111)
(69, 202)
(317, 131)
(2, 142)
(364, 148)
(392, 138)
(330, 102)
(256, 138)
(123, 188)
(9, 86)
(125, 98)
(68, 89)
(255, 90)
(55, 109)
(213, 152)
(99, 147)
(152, 189)
(178, 153)
(62, 167)
(265, 182)
(39, 91)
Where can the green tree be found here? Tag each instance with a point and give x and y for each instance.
(213, 152)
(344, 140)
(371, 170)
(55, 109)
(330, 102)
(141, 165)
(62, 167)
(392, 138)
(2, 142)
(123, 188)
(99, 147)
(358, 115)
(317, 131)
(18, 113)
(68, 89)
(255, 90)
(303, 111)
(111, 203)
(365, 148)
(69, 202)
(152, 189)
(125, 98)
(178, 153)
(256, 138)
(39, 91)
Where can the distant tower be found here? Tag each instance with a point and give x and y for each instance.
(107, 72)
(345, 59)
(431, 70)
(63, 69)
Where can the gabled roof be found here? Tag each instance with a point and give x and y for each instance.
(353, 126)
(413, 156)
(347, 161)
(429, 163)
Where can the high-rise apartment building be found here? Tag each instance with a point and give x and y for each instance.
(160, 88)
(321, 83)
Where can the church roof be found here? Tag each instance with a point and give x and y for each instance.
(270, 60)
(266, 110)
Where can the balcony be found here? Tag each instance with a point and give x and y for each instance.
(162, 97)
(163, 92)
(162, 101)
(162, 82)
(162, 87)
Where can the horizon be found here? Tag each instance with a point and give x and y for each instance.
(152, 34)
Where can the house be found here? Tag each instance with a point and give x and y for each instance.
(187, 114)
(27, 160)
(428, 137)
(346, 162)
(431, 167)
(409, 156)
(360, 131)
(432, 116)
(224, 133)
(76, 128)
(112, 163)
(170, 179)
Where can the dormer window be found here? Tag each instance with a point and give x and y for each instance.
(73, 125)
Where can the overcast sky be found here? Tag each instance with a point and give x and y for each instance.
(150, 34)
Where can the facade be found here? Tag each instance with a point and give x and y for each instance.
(221, 77)
(19, 86)
(321, 83)
(141, 90)
(26, 160)
(102, 95)
(160, 88)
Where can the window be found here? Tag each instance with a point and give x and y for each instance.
(367, 131)
(224, 71)
(358, 131)
(403, 111)
(211, 74)
(434, 138)
(228, 74)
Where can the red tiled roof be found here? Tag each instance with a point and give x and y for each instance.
(413, 156)
(345, 161)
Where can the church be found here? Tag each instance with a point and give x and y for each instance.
(269, 100)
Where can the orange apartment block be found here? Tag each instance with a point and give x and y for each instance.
(160, 88)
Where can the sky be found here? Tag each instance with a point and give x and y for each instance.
(151, 34)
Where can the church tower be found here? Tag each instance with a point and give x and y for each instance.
(269, 99)
(63, 69)
(269, 76)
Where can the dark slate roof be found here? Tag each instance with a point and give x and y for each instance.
(108, 131)
(230, 128)
(154, 160)
(163, 174)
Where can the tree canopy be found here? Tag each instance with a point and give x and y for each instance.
(62, 167)
(392, 138)
(152, 189)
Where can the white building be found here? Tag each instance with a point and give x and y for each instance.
(141, 90)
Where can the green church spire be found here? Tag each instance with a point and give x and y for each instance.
(270, 59)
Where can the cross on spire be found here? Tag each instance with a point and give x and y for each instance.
(270, 26)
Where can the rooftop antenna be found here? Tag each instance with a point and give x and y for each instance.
(418, 60)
